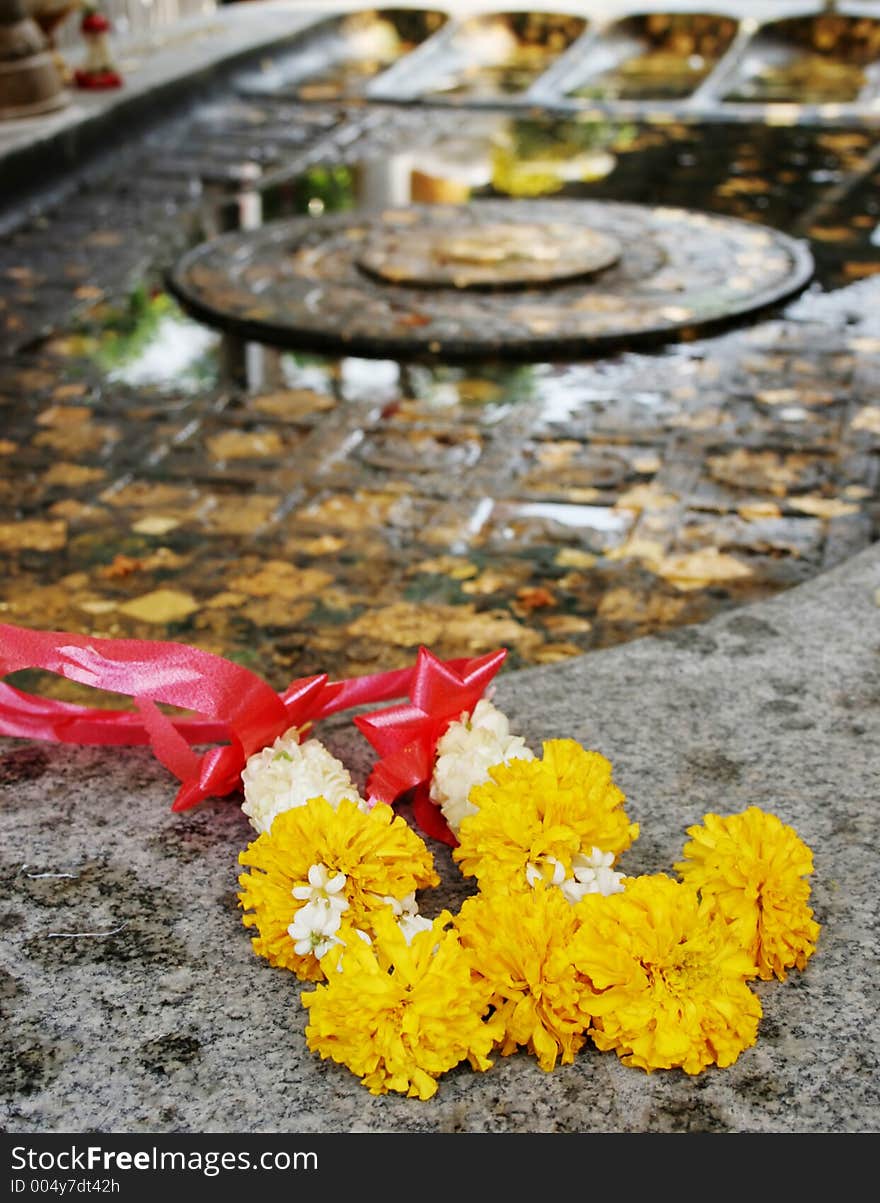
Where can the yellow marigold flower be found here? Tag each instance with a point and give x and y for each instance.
(753, 869)
(520, 948)
(535, 816)
(380, 856)
(397, 1014)
(664, 977)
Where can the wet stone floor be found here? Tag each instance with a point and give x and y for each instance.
(299, 513)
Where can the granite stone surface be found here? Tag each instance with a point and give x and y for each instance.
(132, 1001)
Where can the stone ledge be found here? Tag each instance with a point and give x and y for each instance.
(776, 704)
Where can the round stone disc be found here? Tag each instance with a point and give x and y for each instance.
(507, 254)
(302, 283)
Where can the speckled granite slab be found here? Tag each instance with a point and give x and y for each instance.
(164, 1021)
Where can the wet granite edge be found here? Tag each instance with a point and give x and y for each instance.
(161, 1020)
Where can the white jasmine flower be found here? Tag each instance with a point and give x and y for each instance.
(289, 774)
(534, 873)
(406, 912)
(592, 875)
(401, 906)
(324, 888)
(314, 929)
(589, 874)
(411, 923)
(465, 752)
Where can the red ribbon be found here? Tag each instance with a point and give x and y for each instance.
(406, 736)
(230, 703)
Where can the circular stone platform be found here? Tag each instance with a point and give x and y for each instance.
(467, 287)
(502, 254)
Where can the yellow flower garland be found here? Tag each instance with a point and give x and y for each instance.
(556, 950)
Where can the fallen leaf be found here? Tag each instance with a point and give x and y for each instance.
(160, 606)
(65, 391)
(77, 440)
(72, 475)
(292, 403)
(278, 578)
(488, 581)
(646, 497)
(566, 624)
(227, 600)
(276, 612)
(7, 447)
(244, 444)
(823, 507)
(697, 569)
(454, 567)
(120, 567)
(237, 515)
(147, 495)
(155, 524)
(320, 545)
(97, 605)
(638, 547)
(64, 415)
(860, 271)
(867, 418)
(553, 653)
(744, 469)
(622, 605)
(573, 557)
(532, 598)
(754, 511)
(33, 535)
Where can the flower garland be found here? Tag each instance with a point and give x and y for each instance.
(557, 948)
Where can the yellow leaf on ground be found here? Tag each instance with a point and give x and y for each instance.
(697, 569)
(573, 557)
(160, 606)
(867, 419)
(753, 511)
(276, 612)
(237, 515)
(278, 578)
(98, 605)
(455, 567)
(649, 551)
(245, 444)
(320, 545)
(227, 600)
(77, 440)
(408, 624)
(552, 653)
(645, 497)
(64, 415)
(823, 507)
(72, 475)
(292, 403)
(155, 524)
(567, 624)
(32, 534)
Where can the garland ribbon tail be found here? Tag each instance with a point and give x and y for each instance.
(235, 703)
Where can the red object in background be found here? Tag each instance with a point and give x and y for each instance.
(99, 71)
(104, 79)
